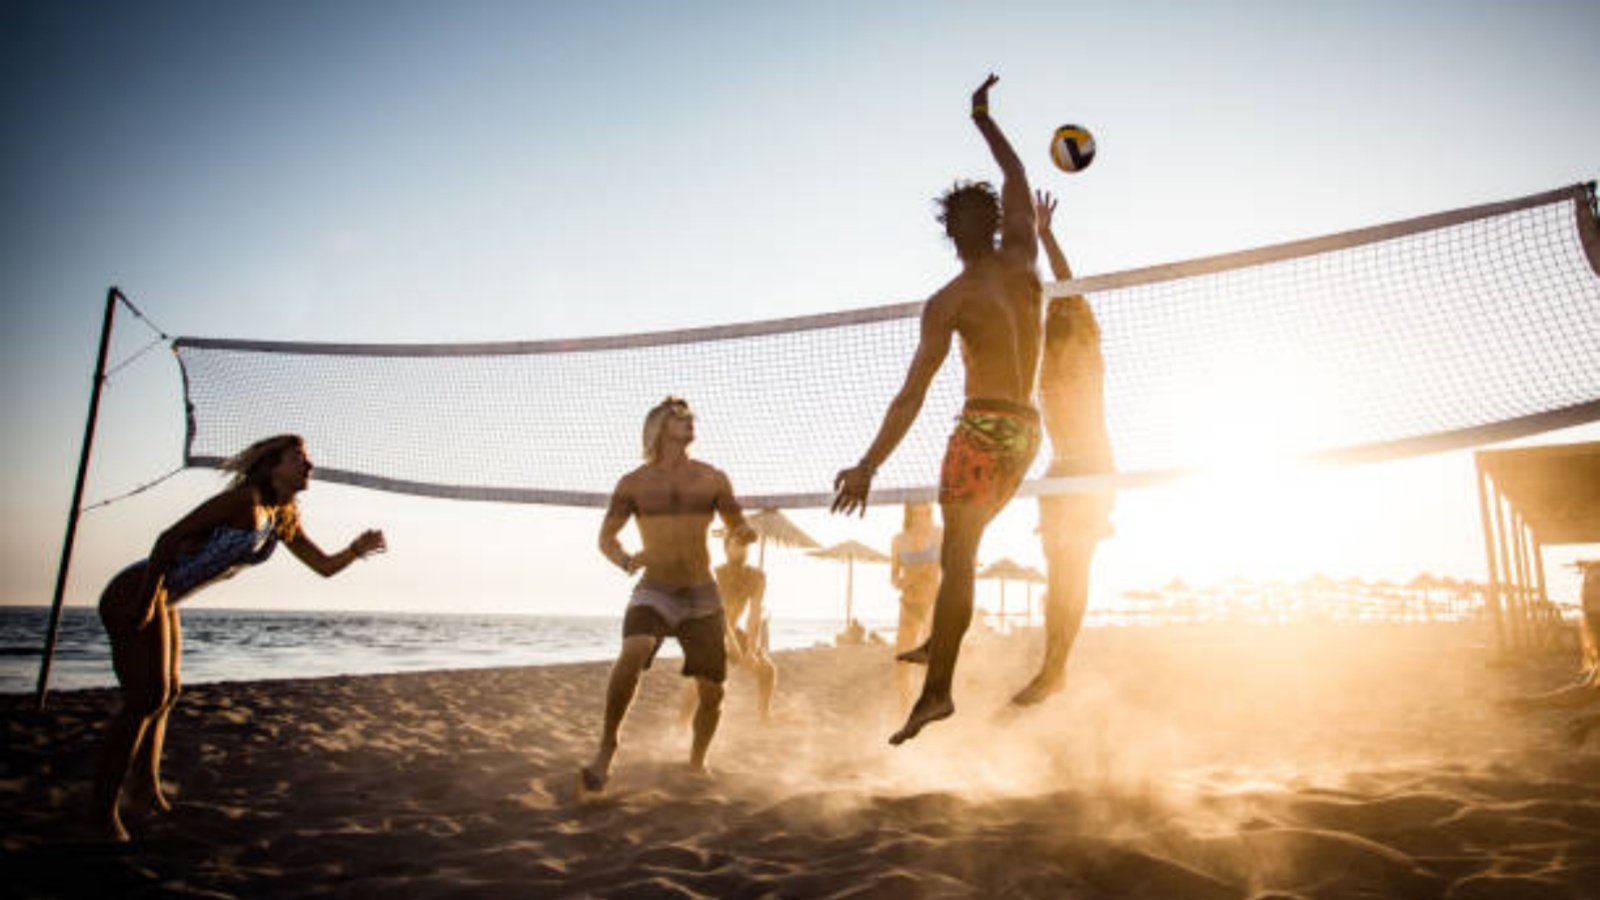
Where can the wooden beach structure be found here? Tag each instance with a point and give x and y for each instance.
(1530, 498)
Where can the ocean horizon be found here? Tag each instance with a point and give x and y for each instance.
(254, 645)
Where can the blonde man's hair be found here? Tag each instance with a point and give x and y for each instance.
(655, 422)
(253, 466)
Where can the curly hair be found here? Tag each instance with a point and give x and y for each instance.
(970, 213)
(253, 466)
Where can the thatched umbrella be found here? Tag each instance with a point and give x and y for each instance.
(1005, 570)
(773, 525)
(850, 551)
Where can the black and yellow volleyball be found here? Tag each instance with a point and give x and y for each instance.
(1072, 148)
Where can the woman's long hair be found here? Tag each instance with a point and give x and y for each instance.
(253, 466)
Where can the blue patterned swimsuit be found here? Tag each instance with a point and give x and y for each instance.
(225, 552)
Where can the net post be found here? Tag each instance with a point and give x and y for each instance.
(112, 296)
(1491, 589)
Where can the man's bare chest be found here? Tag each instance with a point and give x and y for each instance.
(679, 495)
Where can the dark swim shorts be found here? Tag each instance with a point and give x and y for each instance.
(989, 453)
(691, 614)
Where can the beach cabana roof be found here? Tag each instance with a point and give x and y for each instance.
(1556, 488)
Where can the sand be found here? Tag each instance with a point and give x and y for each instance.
(1191, 762)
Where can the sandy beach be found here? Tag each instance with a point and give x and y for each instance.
(1194, 762)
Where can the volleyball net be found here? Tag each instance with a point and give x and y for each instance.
(1446, 331)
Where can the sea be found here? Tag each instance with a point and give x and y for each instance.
(256, 645)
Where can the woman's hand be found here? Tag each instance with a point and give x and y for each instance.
(1044, 208)
(368, 542)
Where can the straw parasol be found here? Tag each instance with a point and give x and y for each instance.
(773, 525)
(1004, 570)
(850, 551)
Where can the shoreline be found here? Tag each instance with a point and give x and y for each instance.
(1326, 763)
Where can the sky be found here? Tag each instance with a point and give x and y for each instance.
(422, 172)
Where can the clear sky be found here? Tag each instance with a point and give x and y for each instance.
(434, 172)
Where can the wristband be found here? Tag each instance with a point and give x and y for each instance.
(980, 109)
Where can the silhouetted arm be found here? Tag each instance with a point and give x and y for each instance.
(938, 326)
(304, 549)
(1044, 209)
(1016, 225)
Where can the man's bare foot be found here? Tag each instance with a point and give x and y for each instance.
(701, 770)
(592, 778)
(917, 655)
(1041, 688)
(591, 781)
(929, 709)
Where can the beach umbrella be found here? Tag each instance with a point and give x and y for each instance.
(773, 525)
(850, 551)
(1004, 570)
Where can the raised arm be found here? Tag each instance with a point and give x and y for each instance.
(1044, 210)
(1016, 226)
(617, 515)
(938, 325)
(304, 549)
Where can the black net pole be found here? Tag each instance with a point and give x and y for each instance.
(112, 296)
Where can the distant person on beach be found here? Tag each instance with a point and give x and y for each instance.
(673, 499)
(993, 305)
(1072, 399)
(237, 528)
(744, 588)
(914, 572)
(1586, 690)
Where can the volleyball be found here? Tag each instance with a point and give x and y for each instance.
(1072, 148)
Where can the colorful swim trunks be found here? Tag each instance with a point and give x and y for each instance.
(989, 453)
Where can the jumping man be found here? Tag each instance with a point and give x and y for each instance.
(994, 306)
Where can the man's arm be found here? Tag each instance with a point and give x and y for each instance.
(1044, 210)
(938, 325)
(617, 515)
(732, 514)
(1016, 226)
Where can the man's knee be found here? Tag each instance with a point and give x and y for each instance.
(710, 693)
(171, 699)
